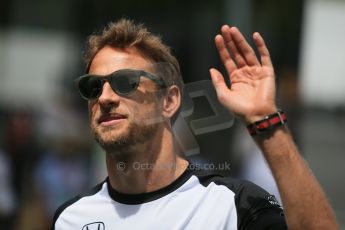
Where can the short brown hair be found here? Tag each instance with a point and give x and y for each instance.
(125, 34)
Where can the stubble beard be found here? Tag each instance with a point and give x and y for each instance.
(124, 143)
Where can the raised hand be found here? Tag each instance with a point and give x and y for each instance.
(252, 92)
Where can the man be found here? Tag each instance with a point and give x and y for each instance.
(134, 88)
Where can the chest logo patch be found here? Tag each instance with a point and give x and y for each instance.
(94, 226)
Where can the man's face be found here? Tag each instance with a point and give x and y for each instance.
(121, 122)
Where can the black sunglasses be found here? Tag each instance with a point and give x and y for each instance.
(123, 82)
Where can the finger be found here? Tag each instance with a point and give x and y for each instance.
(232, 47)
(224, 55)
(263, 51)
(243, 47)
(219, 85)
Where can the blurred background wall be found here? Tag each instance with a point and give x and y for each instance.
(46, 152)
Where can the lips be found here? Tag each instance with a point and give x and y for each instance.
(110, 119)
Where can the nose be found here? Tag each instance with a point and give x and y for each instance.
(108, 96)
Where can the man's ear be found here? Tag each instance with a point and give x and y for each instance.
(171, 101)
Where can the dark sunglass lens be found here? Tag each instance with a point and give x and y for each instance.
(125, 82)
(90, 87)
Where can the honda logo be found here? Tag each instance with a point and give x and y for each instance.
(94, 226)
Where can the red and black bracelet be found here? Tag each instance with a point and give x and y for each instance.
(269, 122)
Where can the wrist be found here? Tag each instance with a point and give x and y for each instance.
(252, 118)
(269, 122)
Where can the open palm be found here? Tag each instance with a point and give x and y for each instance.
(252, 92)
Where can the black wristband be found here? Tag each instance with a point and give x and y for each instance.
(269, 122)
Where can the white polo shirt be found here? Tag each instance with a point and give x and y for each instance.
(196, 200)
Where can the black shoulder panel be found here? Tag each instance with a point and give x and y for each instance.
(68, 203)
(256, 208)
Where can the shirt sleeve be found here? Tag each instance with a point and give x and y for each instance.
(257, 209)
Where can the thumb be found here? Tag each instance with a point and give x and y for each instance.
(218, 82)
